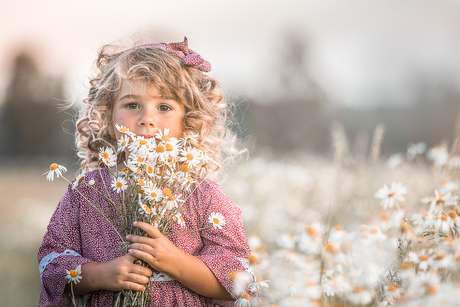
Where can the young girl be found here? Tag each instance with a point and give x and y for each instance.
(147, 89)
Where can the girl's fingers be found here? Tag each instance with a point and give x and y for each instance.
(151, 230)
(143, 256)
(141, 270)
(138, 279)
(128, 285)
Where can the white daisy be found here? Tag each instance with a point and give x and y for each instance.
(440, 200)
(191, 156)
(172, 147)
(144, 208)
(163, 136)
(55, 169)
(217, 220)
(152, 193)
(140, 145)
(91, 182)
(204, 156)
(258, 284)
(173, 201)
(77, 180)
(74, 275)
(108, 156)
(390, 195)
(439, 154)
(160, 153)
(123, 143)
(124, 130)
(180, 220)
(188, 137)
(243, 301)
(119, 184)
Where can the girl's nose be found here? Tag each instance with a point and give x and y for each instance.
(147, 119)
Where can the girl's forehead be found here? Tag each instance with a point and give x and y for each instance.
(135, 87)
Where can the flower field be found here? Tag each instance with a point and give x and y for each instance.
(345, 230)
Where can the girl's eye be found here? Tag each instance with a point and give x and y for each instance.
(132, 105)
(164, 108)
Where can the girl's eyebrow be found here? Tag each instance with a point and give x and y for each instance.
(129, 96)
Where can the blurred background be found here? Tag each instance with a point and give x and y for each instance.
(296, 70)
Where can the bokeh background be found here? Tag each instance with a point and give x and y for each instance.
(299, 73)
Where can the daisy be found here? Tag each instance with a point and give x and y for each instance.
(144, 208)
(119, 184)
(243, 301)
(172, 147)
(163, 136)
(438, 154)
(152, 193)
(160, 153)
(180, 220)
(124, 130)
(77, 180)
(191, 156)
(74, 275)
(188, 137)
(454, 162)
(91, 182)
(55, 169)
(258, 284)
(140, 145)
(389, 196)
(360, 296)
(217, 220)
(173, 201)
(122, 143)
(439, 200)
(108, 156)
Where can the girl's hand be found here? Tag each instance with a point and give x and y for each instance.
(121, 273)
(157, 250)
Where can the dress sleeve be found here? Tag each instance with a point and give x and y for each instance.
(225, 248)
(60, 250)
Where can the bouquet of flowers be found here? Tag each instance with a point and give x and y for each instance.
(152, 185)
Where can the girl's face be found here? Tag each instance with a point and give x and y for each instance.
(144, 111)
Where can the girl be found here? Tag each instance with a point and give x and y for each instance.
(147, 89)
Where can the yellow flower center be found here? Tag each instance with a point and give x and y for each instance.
(165, 138)
(184, 168)
(172, 198)
(166, 192)
(453, 215)
(181, 218)
(147, 209)
(73, 273)
(358, 289)
(423, 257)
(444, 218)
(140, 159)
(189, 157)
(141, 182)
(123, 143)
(105, 155)
(54, 166)
(160, 148)
(124, 129)
(142, 142)
(169, 147)
(149, 170)
(201, 148)
(153, 194)
(215, 220)
(392, 194)
(119, 184)
(245, 296)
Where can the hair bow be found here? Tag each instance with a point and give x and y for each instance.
(181, 50)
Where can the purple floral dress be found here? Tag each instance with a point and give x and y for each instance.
(78, 234)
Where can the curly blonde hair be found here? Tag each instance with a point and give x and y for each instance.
(201, 96)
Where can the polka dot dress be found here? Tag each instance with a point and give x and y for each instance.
(78, 234)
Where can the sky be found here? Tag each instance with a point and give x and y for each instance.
(358, 48)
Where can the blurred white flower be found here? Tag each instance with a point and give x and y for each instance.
(259, 283)
(415, 149)
(395, 160)
(389, 195)
(438, 154)
(360, 296)
(454, 162)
